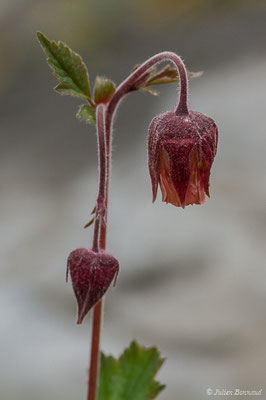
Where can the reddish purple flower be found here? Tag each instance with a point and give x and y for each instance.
(91, 274)
(181, 151)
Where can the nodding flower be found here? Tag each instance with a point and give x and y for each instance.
(181, 150)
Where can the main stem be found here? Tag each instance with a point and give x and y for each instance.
(99, 241)
(104, 119)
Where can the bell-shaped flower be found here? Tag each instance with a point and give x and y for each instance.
(181, 150)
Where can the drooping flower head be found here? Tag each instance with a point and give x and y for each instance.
(91, 274)
(181, 150)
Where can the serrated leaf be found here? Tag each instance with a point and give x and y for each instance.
(87, 113)
(68, 67)
(131, 376)
(103, 89)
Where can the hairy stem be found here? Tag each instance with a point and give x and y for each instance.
(129, 83)
(100, 203)
(104, 126)
(95, 346)
(98, 243)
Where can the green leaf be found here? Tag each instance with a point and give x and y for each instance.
(131, 376)
(87, 113)
(103, 90)
(68, 67)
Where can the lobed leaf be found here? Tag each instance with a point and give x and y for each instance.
(131, 376)
(68, 67)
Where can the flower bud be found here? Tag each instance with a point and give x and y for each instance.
(91, 274)
(181, 150)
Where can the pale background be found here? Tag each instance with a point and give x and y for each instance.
(193, 281)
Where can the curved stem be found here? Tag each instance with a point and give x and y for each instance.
(128, 84)
(104, 125)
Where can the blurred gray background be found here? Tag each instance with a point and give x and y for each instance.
(192, 281)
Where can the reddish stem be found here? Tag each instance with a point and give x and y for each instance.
(95, 346)
(128, 84)
(104, 125)
(95, 336)
(100, 203)
(99, 239)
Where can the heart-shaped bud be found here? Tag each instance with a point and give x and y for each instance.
(181, 151)
(91, 274)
